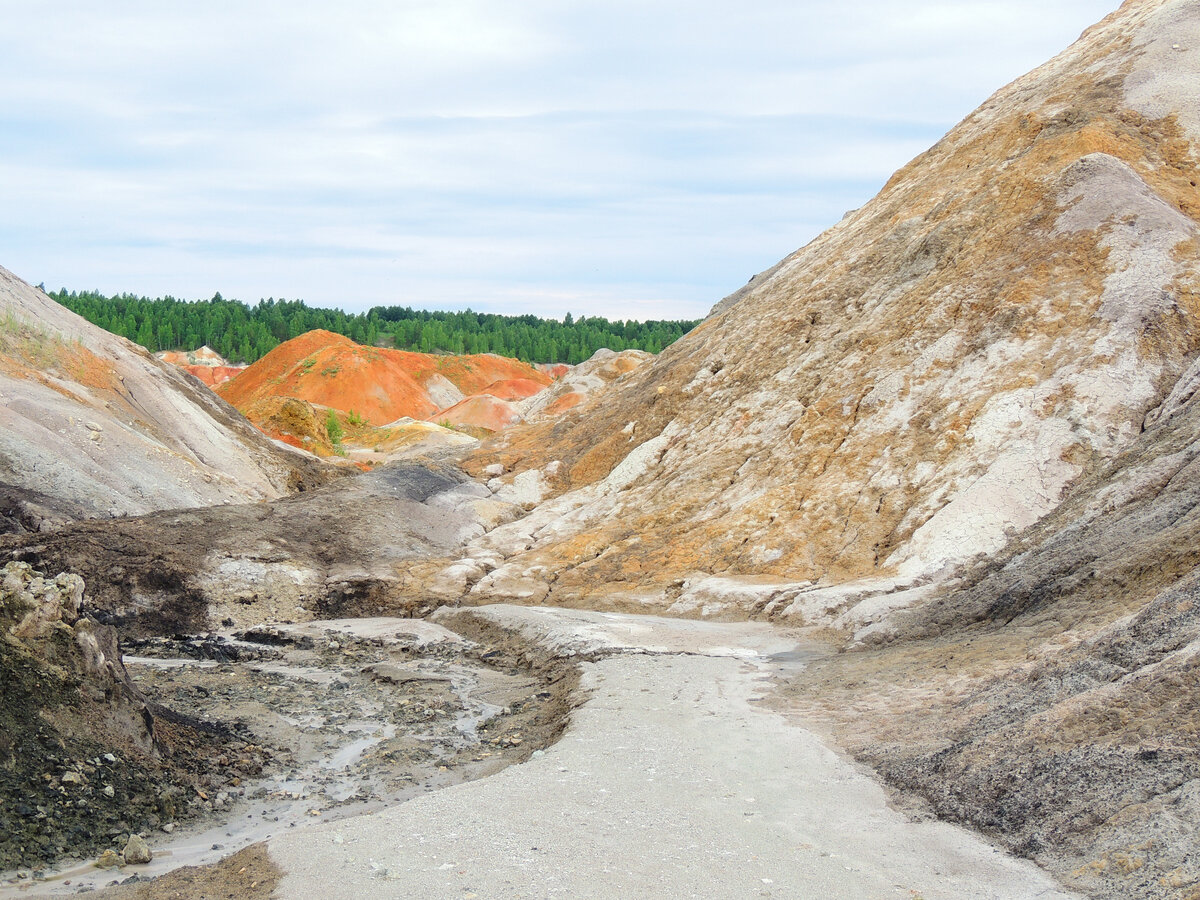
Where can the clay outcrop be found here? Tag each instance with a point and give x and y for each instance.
(65, 689)
(921, 383)
(205, 363)
(380, 386)
(92, 425)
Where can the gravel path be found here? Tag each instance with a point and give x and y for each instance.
(671, 781)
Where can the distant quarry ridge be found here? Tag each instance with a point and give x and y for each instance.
(328, 395)
(379, 384)
(374, 386)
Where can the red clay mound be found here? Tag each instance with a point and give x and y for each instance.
(554, 370)
(470, 374)
(211, 375)
(380, 385)
(563, 403)
(480, 411)
(202, 356)
(331, 370)
(514, 388)
(205, 363)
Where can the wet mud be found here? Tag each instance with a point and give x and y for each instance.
(321, 721)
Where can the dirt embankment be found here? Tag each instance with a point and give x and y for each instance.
(84, 754)
(338, 551)
(1053, 700)
(247, 875)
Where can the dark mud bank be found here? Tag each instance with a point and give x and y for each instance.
(272, 728)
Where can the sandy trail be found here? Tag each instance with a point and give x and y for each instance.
(671, 781)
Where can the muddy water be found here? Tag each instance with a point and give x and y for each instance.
(336, 719)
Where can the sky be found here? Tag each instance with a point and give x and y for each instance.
(600, 157)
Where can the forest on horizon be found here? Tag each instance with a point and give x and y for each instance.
(244, 334)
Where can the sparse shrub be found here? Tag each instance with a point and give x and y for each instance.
(30, 341)
(333, 428)
(355, 419)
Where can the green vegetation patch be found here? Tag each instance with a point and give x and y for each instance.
(29, 341)
(334, 428)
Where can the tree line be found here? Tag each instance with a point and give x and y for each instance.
(243, 333)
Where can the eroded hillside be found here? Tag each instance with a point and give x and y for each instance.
(91, 425)
(380, 385)
(917, 385)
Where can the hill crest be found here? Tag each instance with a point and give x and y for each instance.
(379, 384)
(918, 384)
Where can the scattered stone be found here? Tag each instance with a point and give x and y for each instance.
(136, 851)
(109, 859)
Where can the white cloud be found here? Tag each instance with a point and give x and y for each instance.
(511, 156)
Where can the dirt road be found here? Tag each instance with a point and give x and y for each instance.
(671, 781)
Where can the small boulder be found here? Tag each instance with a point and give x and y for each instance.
(109, 859)
(136, 852)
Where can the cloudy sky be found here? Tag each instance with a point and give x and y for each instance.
(627, 158)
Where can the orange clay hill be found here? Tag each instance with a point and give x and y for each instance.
(381, 385)
(205, 363)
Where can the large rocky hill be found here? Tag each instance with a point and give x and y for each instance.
(922, 382)
(91, 425)
(958, 430)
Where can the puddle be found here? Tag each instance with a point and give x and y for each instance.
(353, 751)
(776, 669)
(167, 663)
(797, 659)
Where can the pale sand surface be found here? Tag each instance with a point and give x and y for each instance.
(671, 781)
